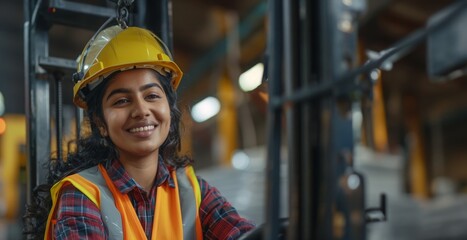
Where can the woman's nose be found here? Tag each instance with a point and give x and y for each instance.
(140, 109)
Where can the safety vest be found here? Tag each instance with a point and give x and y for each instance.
(175, 215)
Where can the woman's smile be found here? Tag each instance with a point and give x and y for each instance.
(142, 129)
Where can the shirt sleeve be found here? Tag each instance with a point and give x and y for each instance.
(77, 216)
(219, 219)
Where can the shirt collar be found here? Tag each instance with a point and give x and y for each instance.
(125, 183)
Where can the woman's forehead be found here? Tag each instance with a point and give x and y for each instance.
(133, 79)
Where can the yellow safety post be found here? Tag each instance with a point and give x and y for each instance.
(380, 134)
(11, 159)
(417, 160)
(378, 137)
(227, 120)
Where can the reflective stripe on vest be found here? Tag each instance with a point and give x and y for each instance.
(175, 216)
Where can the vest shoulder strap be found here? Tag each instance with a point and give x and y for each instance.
(109, 213)
(187, 204)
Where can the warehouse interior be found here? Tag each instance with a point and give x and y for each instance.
(410, 143)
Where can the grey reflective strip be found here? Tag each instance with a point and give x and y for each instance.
(188, 205)
(110, 214)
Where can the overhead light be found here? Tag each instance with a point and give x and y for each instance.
(251, 79)
(240, 160)
(205, 109)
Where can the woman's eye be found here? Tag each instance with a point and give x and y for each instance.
(152, 96)
(121, 101)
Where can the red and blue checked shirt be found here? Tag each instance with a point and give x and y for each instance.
(79, 218)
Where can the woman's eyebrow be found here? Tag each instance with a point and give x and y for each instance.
(126, 90)
(118, 90)
(150, 85)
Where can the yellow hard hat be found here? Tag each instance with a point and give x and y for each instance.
(116, 49)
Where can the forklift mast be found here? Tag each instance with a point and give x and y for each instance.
(312, 45)
(314, 79)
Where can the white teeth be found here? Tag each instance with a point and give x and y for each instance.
(141, 129)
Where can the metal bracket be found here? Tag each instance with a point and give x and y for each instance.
(123, 12)
(381, 211)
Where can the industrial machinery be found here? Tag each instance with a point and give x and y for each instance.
(314, 77)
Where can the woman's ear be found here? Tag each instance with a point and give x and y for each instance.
(102, 128)
(103, 131)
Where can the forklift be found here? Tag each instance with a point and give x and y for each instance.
(313, 75)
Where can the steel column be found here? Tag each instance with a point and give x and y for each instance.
(292, 116)
(315, 103)
(275, 73)
(38, 101)
(58, 77)
(158, 18)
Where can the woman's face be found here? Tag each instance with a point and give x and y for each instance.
(136, 113)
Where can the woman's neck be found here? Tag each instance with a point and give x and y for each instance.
(142, 170)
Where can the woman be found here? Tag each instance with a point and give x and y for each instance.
(125, 181)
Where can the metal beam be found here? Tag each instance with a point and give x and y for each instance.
(77, 14)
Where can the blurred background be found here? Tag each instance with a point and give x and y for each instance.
(410, 138)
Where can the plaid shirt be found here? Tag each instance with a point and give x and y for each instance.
(79, 218)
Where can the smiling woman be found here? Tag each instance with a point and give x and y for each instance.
(126, 180)
(137, 115)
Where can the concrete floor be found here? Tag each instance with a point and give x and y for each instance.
(441, 218)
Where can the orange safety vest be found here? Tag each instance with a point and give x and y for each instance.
(175, 217)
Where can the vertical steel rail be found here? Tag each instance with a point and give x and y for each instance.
(275, 73)
(30, 167)
(326, 73)
(58, 76)
(166, 23)
(158, 18)
(292, 116)
(37, 98)
(309, 121)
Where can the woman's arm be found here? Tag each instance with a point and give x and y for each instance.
(219, 219)
(77, 216)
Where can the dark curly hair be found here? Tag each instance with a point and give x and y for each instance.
(93, 149)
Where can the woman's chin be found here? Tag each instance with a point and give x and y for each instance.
(140, 152)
